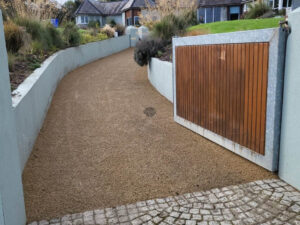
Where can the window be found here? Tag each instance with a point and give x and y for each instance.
(234, 13)
(82, 19)
(129, 21)
(136, 21)
(86, 19)
(276, 4)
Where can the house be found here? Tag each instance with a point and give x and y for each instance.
(103, 12)
(279, 4)
(133, 8)
(219, 10)
(125, 12)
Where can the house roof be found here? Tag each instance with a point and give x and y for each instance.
(94, 7)
(137, 4)
(210, 3)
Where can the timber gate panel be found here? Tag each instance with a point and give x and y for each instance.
(223, 88)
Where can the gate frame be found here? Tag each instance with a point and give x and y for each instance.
(276, 37)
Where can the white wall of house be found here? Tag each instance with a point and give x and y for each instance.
(85, 19)
(123, 19)
(117, 18)
(82, 20)
(224, 13)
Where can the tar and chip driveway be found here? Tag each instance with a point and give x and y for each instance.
(98, 149)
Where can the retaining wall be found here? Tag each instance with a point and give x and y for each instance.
(161, 77)
(12, 208)
(289, 166)
(33, 97)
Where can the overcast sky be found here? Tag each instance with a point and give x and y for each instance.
(62, 1)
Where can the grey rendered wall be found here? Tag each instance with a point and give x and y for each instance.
(161, 77)
(1, 212)
(289, 160)
(296, 4)
(33, 97)
(11, 189)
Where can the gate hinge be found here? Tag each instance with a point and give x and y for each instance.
(285, 26)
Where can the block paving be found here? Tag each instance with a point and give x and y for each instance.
(261, 202)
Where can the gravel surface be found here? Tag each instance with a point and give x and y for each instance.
(109, 139)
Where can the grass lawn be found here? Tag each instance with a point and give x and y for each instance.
(236, 25)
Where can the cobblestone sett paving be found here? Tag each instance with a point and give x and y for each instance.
(261, 202)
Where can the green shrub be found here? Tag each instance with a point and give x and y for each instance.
(101, 36)
(38, 32)
(13, 37)
(146, 49)
(112, 23)
(55, 36)
(257, 10)
(37, 47)
(71, 34)
(169, 26)
(94, 24)
(33, 27)
(190, 18)
(120, 29)
(86, 37)
(11, 61)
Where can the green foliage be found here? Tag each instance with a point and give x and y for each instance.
(55, 36)
(48, 36)
(37, 47)
(257, 10)
(71, 34)
(112, 23)
(86, 37)
(11, 61)
(68, 10)
(236, 25)
(190, 18)
(94, 24)
(169, 26)
(120, 29)
(13, 37)
(33, 27)
(146, 49)
(34, 62)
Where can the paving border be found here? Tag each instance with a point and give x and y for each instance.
(261, 202)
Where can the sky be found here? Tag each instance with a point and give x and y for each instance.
(62, 1)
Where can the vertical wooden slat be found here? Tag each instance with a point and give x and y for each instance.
(265, 63)
(259, 95)
(254, 96)
(243, 92)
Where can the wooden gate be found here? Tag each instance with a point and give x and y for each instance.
(223, 89)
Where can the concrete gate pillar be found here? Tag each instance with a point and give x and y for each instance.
(289, 160)
(12, 209)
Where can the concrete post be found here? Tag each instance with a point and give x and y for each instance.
(289, 166)
(11, 189)
(134, 36)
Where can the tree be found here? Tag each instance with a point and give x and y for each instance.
(67, 11)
